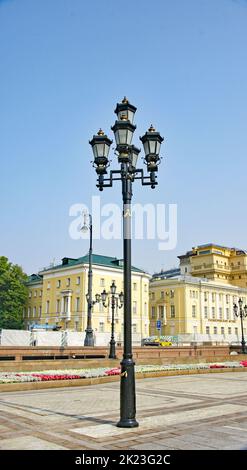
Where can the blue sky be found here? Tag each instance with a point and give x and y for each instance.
(65, 64)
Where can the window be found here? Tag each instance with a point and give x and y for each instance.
(227, 298)
(35, 293)
(68, 282)
(220, 297)
(222, 330)
(101, 327)
(78, 280)
(47, 306)
(215, 330)
(102, 282)
(29, 312)
(58, 283)
(152, 312)
(152, 295)
(161, 311)
(213, 297)
(134, 328)
(172, 293)
(213, 312)
(229, 330)
(172, 311)
(134, 308)
(76, 325)
(134, 286)
(34, 311)
(30, 295)
(193, 311)
(205, 312)
(205, 296)
(48, 285)
(145, 288)
(58, 305)
(40, 293)
(207, 330)
(220, 313)
(77, 304)
(145, 308)
(227, 314)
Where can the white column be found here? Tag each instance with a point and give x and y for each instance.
(68, 315)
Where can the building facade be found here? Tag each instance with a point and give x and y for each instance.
(198, 298)
(57, 296)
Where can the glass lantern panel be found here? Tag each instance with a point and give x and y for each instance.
(152, 146)
(122, 136)
(146, 148)
(100, 149)
(130, 116)
(95, 151)
(129, 137)
(157, 148)
(107, 149)
(134, 158)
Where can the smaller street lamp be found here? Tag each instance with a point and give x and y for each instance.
(240, 311)
(115, 300)
(89, 340)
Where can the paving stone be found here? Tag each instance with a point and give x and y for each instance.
(177, 412)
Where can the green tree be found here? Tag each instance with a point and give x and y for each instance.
(13, 294)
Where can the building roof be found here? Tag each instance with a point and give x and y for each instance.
(34, 279)
(100, 260)
(167, 274)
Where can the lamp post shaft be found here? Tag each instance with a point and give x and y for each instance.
(112, 354)
(242, 331)
(89, 340)
(127, 385)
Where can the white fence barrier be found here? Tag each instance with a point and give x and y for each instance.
(15, 338)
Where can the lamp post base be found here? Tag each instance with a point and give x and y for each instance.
(112, 354)
(127, 423)
(89, 339)
(127, 395)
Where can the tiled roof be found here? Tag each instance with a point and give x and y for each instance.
(100, 260)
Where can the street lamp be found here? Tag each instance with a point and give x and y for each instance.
(127, 158)
(242, 313)
(116, 300)
(89, 340)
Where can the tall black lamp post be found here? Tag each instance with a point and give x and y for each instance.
(127, 158)
(117, 300)
(89, 339)
(241, 312)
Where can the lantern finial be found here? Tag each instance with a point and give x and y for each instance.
(125, 100)
(151, 128)
(100, 132)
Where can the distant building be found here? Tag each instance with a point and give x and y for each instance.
(198, 297)
(57, 296)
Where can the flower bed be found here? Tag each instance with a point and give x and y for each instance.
(49, 375)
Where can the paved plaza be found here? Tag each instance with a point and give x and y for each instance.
(182, 412)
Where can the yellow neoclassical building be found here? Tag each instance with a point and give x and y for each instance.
(198, 297)
(57, 296)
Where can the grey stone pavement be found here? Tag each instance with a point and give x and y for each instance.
(192, 412)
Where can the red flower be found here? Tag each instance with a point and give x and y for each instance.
(114, 371)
